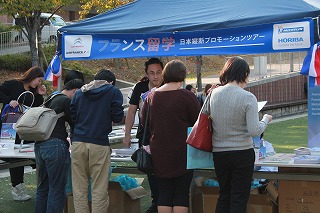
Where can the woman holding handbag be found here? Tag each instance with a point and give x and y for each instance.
(171, 111)
(10, 90)
(235, 120)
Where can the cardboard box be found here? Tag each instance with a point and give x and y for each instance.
(204, 199)
(119, 201)
(299, 196)
(125, 201)
(261, 203)
(273, 192)
(263, 200)
(69, 207)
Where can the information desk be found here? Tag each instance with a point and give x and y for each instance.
(287, 169)
(27, 157)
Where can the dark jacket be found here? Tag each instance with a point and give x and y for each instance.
(93, 109)
(60, 103)
(10, 90)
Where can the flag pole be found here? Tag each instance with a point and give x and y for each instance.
(59, 84)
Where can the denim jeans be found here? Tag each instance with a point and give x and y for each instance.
(53, 162)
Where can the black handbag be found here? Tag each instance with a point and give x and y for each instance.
(141, 156)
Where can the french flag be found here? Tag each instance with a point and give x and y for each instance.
(54, 70)
(311, 65)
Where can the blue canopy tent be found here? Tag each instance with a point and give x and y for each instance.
(146, 28)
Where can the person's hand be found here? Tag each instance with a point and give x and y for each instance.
(127, 141)
(14, 103)
(269, 117)
(42, 89)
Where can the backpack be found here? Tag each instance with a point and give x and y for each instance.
(37, 123)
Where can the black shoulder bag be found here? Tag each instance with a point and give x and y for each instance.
(141, 156)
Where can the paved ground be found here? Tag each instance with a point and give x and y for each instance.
(284, 118)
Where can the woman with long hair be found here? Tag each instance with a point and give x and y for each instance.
(203, 95)
(10, 90)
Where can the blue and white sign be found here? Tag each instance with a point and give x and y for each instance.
(266, 38)
(313, 116)
(291, 35)
(78, 46)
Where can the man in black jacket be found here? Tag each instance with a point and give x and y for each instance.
(53, 156)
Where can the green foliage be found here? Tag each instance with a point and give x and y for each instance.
(15, 62)
(49, 51)
(5, 37)
(100, 6)
(75, 65)
(4, 28)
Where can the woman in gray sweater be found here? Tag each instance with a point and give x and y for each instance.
(235, 121)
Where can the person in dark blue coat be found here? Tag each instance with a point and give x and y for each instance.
(93, 109)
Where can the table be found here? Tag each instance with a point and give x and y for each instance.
(22, 158)
(287, 169)
(27, 156)
(298, 184)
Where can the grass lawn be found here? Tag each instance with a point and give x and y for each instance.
(284, 136)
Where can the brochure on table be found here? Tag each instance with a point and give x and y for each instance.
(8, 135)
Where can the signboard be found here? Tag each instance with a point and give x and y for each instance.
(313, 116)
(265, 38)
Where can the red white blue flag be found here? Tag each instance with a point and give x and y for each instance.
(311, 65)
(54, 69)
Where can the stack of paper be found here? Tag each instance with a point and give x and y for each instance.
(307, 159)
(315, 151)
(302, 151)
(124, 151)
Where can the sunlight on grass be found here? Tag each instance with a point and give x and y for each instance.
(287, 135)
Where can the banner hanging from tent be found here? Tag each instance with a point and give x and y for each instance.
(265, 38)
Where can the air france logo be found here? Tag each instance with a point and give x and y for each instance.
(290, 30)
(78, 46)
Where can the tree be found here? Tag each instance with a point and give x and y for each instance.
(27, 16)
(199, 65)
(100, 5)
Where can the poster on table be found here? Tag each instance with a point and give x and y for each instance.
(8, 135)
(313, 116)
